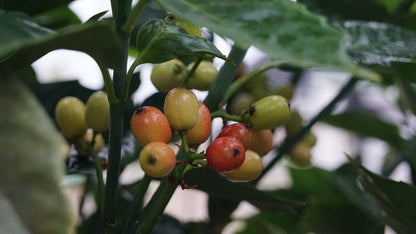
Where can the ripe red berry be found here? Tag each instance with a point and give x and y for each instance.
(202, 129)
(239, 131)
(149, 124)
(225, 154)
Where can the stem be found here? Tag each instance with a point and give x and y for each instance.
(129, 76)
(131, 20)
(112, 99)
(100, 180)
(185, 144)
(189, 74)
(224, 78)
(324, 112)
(223, 114)
(240, 82)
(136, 205)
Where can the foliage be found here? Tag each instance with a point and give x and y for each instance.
(374, 41)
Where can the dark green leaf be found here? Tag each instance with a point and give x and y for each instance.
(367, 125)
(30, 174)
(283, 29)
(24, 41)
(393, 198)
(374, 10)
(57, 18)
(216, 185)
(161, 40)
(33, 7)
(333, 214)
(96, 17)
(375, 43)
(311, 181)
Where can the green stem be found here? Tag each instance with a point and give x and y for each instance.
(185, 81)
(135, 12)
(223, 114)
(129, 76)
(135, 208)
(240, 82)
(224, 78)
(112, 99)
(100, 180)
(185, 146)
(324, 112)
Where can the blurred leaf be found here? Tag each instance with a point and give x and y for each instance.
(216, 185)
(375, 10)
(57, 18)
(23, 41)
(169, 224)
(333, 214)
(10, 222)
(375, 43)
(33, 7)
(161, 40)
(283, 29)
(311, 180)
(96, 17)
(273, 223)
(345, 180)
(30, 174)
(393, 198)
(367, 125)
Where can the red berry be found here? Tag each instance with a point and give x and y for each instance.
(239, 131)
(149, 124)
(202, 129)
(225, 154)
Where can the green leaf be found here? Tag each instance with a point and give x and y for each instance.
(33, 7)
(218, 186)
(30, 174)
(367, 125)
(375, 10)
(161, 40)
(283, 29)
(311, 181)
(57, 18)
(23, 41)
(375, 43)
(395, 199)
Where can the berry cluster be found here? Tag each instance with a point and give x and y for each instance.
(82, 124)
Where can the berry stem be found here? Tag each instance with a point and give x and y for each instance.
(240, 82)
(186, 79)
(185, 146)
(287, 146)
(223, 114)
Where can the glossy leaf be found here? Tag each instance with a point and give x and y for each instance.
(57, 18)
(367, 125)
(30, 174)
(375, 43)
(216, 185)
(283, 29)
(33, 7)
(22, 41)
(161, 40)
(393, 198)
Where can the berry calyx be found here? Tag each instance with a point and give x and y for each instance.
(157, 159)
(149, 124)
(225, 154)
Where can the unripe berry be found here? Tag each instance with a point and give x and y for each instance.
(181, 108)
(157, 159)
(168, 75)
(240, 103)
(294, 124)
(70, 117)
(203, 77)
(97, 112)
(148, 124)
(270, 112)
(202, 129)
(87, 139)
(249, 170)
(301, 154)
(262, 141)
(225, 154)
